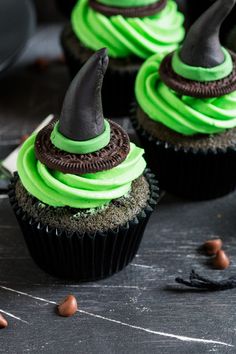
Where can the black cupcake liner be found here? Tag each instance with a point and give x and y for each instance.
(87, 256)
(118, 85)
(186, 172)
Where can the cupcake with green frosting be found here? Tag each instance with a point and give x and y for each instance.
(186, 115)
(82, 194)
(132, 30)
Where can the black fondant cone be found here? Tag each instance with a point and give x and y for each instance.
(82, 113)
(202, 47)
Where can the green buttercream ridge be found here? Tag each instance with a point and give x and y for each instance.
(183, 114)
(91, 190)
(127, 3)
(142, 37)
(203, 74)
(81, 147)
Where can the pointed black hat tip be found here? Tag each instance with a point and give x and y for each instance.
(82, 113)
(202, 46)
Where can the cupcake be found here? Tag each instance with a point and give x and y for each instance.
(132, 30)
(82, 194)
(186, 114)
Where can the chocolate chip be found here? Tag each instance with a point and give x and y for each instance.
(211, 247)
(68, 306)
(221, 260)
(3, 322)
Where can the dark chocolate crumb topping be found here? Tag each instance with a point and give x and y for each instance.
(116, 213)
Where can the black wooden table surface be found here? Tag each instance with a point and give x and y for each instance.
(139, 310)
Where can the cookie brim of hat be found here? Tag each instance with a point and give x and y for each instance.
(105, 159)
(197, 89)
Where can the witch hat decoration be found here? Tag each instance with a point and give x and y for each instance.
(82, 107)
(202, 68)
(82, 141)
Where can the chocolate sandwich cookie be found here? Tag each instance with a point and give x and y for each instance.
(199, 89)
(133, 11)
(106, 158)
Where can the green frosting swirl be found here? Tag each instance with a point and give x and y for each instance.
(186, 115)
(78, 191)
(160, 33)
(127, 3)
